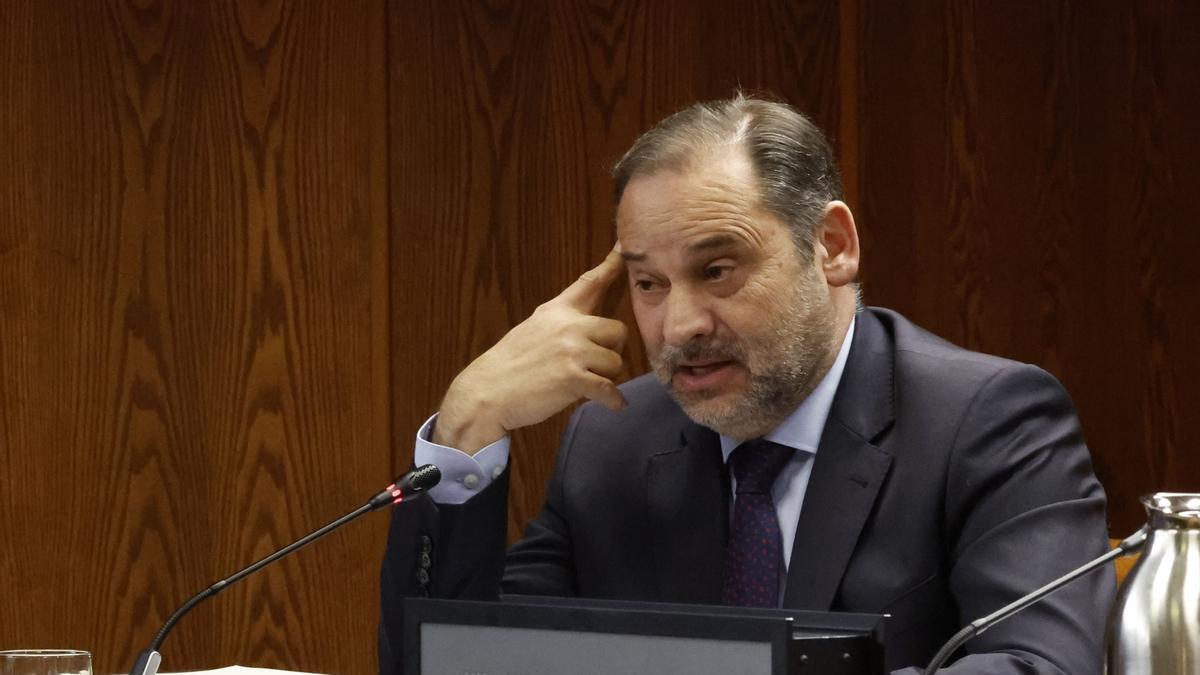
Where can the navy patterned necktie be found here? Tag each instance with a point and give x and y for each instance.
(754, 554)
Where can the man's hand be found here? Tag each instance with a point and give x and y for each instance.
(555, 357)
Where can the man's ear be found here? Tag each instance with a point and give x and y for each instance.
(837, 244)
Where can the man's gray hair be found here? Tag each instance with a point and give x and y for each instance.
(793, 163)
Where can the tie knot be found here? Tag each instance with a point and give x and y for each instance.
(756, 465)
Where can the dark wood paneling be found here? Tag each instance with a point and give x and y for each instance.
(197, 265)
(193, 326)
(506, 117)
(1027, 190)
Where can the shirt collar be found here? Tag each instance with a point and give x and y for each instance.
(802, 429)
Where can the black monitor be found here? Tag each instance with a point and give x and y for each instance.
(532, 635)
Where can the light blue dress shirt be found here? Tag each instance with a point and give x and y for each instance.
(463, 475)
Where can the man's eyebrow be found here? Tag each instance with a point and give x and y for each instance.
(711, 242)
(714, 241)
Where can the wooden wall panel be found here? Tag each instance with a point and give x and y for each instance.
(210, 211)
(506, 118)
(1028, 182)
(193, 326)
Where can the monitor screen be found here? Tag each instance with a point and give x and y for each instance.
(525, 635)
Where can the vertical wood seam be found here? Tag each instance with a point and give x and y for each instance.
(382, 275)
(848, 102)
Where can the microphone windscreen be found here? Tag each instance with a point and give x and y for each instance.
(425, 477)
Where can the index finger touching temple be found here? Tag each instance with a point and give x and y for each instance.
(588, 290)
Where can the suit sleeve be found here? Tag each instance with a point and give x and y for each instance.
(466, 557)
(1023, 507)
(441, 551)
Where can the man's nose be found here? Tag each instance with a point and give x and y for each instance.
(687, 316)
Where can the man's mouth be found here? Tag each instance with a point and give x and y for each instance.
(702, 368)
(700, 375)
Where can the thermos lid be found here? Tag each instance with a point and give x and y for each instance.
(1173, 510)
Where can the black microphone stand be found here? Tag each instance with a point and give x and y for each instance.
(406, 487)
(1131, 544)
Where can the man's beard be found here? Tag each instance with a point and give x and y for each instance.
(784, 362)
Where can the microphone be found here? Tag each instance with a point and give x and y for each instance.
(1131, 544)
(407, 486)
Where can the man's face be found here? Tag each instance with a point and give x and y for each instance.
(736, 325)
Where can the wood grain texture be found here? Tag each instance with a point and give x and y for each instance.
(210, 211)
(1027, 176)
(507, 117)
(193, 314)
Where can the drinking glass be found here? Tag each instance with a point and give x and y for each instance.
(45, 662)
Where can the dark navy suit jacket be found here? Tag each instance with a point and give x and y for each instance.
(947, 484)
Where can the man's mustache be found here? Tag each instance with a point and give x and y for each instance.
(699, 350)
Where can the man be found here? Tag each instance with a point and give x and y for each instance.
(908, 477)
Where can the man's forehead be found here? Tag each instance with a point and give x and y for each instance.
(715, 168)
(694, 208)
(713, 183)
(692, 236)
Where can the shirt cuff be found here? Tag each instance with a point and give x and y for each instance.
(463, 475)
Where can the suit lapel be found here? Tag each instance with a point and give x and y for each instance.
(686, 496)
(847, 472)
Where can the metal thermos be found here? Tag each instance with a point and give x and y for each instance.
(1154, 628)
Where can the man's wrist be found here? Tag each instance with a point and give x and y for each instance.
(463, 424)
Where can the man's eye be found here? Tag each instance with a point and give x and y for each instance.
(715, 272)
(644, 285)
